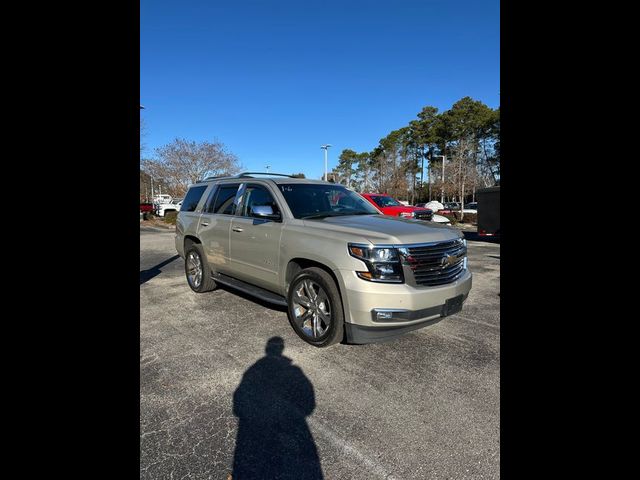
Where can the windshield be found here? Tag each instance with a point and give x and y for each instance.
(318, 201)
(384, 201)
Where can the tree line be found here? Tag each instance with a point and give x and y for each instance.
(467, 135)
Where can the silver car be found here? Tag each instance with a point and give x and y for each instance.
(343, 270)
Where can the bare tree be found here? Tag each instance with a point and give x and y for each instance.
(182, 163)
(463, 167)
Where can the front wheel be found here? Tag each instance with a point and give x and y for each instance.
(315, 307)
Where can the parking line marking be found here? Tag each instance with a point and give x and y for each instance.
(349, 449)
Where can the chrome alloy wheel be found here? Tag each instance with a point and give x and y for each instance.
(311, 308)
(194, 269)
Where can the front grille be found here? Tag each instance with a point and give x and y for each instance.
(423, 215)
(436, 264)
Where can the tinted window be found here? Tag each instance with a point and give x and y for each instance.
(257, 196)
(318, 200)
(383, 201)
(224, 201)
(193, 198)
(208, 206)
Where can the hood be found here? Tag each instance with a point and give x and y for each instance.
(385, 229)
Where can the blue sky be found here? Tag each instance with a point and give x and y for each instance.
(273, 80)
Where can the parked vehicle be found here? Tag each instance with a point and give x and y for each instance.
(162, 198)
(164, 208)
(146, 207)
(453, 208)
(390, 206)
(432, 205)
(448, 208)
(471, 207)
(489, 211)
(341, 268)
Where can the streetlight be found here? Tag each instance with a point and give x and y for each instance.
(325, 148)
(267, 167)
(442, 191)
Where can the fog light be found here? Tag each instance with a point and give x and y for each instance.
(384, 315)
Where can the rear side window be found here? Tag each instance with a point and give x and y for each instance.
(192, 199)
(224, 201)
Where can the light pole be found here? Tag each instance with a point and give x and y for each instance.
(442, 190)
(325, 148)
(267, 167)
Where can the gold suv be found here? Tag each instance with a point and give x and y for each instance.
(342, 269)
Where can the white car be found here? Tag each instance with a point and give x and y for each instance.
(163, 208)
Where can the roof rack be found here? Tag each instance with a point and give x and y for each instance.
(249, 175)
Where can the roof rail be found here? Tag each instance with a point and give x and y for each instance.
(249, 175)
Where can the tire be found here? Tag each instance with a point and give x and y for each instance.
(193, 257)
(322, 324)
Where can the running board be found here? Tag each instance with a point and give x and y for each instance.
(249, 289)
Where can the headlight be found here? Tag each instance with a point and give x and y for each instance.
(407, 214)
(383, 263)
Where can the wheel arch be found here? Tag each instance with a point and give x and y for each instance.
(294, 265)
(190, 240)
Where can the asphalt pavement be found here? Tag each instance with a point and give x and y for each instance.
(216, 394)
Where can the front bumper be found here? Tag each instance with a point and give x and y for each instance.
(412, 307)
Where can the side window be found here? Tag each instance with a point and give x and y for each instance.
(257, 196)
(192, 198)
(208, 206)
(224, 201)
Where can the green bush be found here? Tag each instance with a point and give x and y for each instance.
(170, 217)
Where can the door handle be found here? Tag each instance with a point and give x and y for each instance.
(205, 224)
(237, 229)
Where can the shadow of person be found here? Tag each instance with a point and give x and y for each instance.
(271, 403)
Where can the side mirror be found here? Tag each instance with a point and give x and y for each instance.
(264, 211)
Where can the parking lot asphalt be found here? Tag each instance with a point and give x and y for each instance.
(424, 406)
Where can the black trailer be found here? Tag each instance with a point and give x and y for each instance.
(488, 211)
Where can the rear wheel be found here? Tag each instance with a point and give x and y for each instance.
(197, 270)
(315, 307)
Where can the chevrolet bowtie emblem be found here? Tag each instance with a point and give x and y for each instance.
(448, 260)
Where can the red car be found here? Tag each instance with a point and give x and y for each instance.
(146, 207)
(390, 206)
